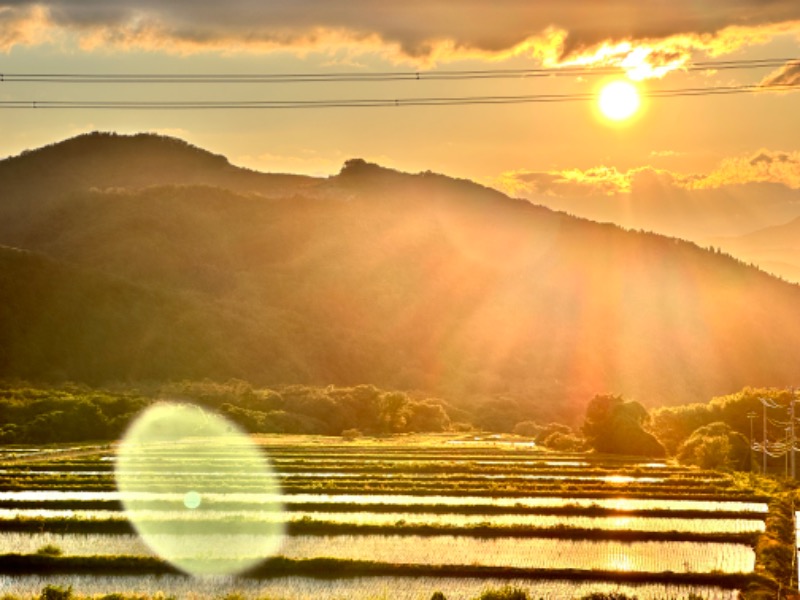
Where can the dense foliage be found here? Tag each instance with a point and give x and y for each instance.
(615, 426)
(719, 433)
(75, 413)
(716, 446)
(712, 435)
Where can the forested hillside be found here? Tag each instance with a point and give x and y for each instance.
(411, 282)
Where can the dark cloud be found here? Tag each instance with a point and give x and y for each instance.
(417, 25)
(542, 181)
(768, 158)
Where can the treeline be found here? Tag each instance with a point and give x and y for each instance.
(41, 414)
(719, 433)
(71, 413)
(714, 435)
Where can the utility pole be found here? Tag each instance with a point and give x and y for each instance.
(786, 454)
(751, 416)
(792, 440)
(764, 442)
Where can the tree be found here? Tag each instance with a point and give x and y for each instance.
(393, 412)
(616, 426)
(552, 428)
(527, 429)
(674, 424)
(716, 446)
(427, 415)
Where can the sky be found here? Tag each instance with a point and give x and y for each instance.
(564, 154)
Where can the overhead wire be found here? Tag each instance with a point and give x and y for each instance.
(352, 77)
(371, 102)
(220, 79)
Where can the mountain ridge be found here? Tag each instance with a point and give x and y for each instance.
(407, 281)
(776, 249)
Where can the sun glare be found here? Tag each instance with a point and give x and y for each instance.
(619, 100)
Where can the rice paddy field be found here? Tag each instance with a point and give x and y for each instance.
(397, 518)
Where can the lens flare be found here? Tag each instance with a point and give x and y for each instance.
(189, 464)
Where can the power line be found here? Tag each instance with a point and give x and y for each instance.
(370, 102)
(451, 75)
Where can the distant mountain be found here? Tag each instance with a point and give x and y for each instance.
(694, 214)
(775, 249)
(371, 276)
(104, 160)
(40, 180)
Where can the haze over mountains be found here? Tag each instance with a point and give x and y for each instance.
(147, 258)
(743, 219)
(775, 249)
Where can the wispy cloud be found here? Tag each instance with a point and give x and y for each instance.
(654, 56)
(764, 166)
(788, 74)
(648, 38)
(606, 181)
(23, 26)
(665, 153)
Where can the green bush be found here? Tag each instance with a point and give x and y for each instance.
(50, 550)
(506, 593)
(56, 592)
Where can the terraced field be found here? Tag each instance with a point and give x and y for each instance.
(398, 518)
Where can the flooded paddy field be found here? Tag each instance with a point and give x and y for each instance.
(388, 520)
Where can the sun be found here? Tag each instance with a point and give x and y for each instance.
(619, 100)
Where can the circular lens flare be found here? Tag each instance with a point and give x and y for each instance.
(619, 100)
(199, 492)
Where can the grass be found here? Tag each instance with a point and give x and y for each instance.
(328, 568)
(310, 527)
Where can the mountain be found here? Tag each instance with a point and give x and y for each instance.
(62, 322)
(37, 182)
(700, 215)
(370, 276)
(776, 249)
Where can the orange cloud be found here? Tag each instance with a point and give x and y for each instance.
(655, 57)
(25, 26)
(649, 40)
(596, 181)
(765, 166)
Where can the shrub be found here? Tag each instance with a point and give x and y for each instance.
(563, 442)
(438, 596)
(351, 434)
(527, 428)
(506, 593)
(49, 550)
(716, 446)
(56, 592)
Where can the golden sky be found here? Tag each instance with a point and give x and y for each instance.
(690, 145)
